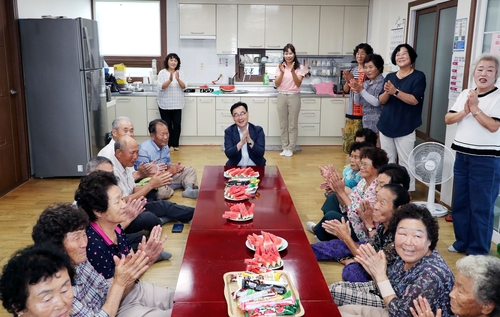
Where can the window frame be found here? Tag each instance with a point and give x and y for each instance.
(142, 61)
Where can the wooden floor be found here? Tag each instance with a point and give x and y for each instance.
(19, 209)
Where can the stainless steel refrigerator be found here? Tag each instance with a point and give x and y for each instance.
(64, 92)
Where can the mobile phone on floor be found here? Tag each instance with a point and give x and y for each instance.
(177, 227)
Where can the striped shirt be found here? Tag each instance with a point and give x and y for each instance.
(171, 97)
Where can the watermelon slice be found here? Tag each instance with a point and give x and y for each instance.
(239, 212)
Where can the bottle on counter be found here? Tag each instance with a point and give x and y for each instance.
(265, 80)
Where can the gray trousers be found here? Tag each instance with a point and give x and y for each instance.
(288, 113)
(147, 299)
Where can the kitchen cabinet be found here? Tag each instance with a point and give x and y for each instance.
(205, 111)
(305, 29)
(223, 117)
(197, 20)
(251, 25)
(278, 26)
(309, 117)
(136, 109)
(189, 121)
(227, 29)
(332, 116)
(331, 30)
(258, 110)
(355, 27)
(273, 119)
(152, 109)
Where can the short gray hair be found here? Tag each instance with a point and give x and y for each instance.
(95, 162)
(122, 142)
(487, 57)
(485, 271)
(116, 122)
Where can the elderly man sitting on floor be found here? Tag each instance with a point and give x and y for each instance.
(155, 150)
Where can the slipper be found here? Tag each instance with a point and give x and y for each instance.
(448, 218)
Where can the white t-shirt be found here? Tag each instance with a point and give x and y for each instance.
(471, 136)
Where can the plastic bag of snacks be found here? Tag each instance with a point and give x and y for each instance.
(119, 70)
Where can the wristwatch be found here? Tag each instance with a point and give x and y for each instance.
(249, 143)
(477, 113)
(397, 92)
(371, 229)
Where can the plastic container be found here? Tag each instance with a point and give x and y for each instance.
(265, 79)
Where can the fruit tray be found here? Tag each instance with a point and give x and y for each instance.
(230, 287)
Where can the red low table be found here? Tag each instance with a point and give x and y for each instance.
(216, 246)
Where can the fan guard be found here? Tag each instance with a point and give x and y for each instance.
(432, 163)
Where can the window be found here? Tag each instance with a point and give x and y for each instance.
(131, 32)
(492, 25)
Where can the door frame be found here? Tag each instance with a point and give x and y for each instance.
(430, 84)
(16, 83)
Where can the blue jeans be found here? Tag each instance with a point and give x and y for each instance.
(476, 186)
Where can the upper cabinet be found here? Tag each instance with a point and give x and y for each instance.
(227, 29)
(305, 29)
(197, 21)
(278, 29)
(331, 30)
(251, 25)
(355, 27)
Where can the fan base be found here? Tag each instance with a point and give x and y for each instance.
(437, 211)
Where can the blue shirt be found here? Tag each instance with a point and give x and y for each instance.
(149, 151)
(399, 118)
(351, 178)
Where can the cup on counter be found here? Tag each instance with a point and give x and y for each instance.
(145, 80)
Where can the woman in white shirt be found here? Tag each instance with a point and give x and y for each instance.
(171, 85)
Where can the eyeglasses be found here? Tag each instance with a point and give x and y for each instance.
(241, 114)
(364, 164)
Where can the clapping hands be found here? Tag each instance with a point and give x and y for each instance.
(154, 244)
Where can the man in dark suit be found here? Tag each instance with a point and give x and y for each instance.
(244, 142)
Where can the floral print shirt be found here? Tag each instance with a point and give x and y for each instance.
(360, 193)
(384, 241)
(430, 278)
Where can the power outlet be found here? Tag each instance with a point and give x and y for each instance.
(202, 67)
(79, 168)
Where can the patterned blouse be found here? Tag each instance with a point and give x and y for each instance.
(360, 193)
(430, 278)
(91, 292)
(384, 241)
(100, 249)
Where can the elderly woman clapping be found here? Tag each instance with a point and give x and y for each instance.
(64, 226)
(418, 271)
(476, 292)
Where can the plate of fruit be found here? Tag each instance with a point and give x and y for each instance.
(241, 173)
(266, 255)
(237, 193)
(255, 241)
(239, 212)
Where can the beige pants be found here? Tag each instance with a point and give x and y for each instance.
(288, 113)
(187, 176)
(362, 311)
(147, 299)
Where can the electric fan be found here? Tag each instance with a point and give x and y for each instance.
(432, 163)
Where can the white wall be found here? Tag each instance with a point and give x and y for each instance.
(69, 8)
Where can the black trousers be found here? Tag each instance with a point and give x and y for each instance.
(156, 209)
(173, 119)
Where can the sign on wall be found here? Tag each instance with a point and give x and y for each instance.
(459, 37)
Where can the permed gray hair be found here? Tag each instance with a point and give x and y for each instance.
(96, 161)
(487, 57)
(485, 271)
(115, 124)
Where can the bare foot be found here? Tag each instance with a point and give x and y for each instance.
(346, 261)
